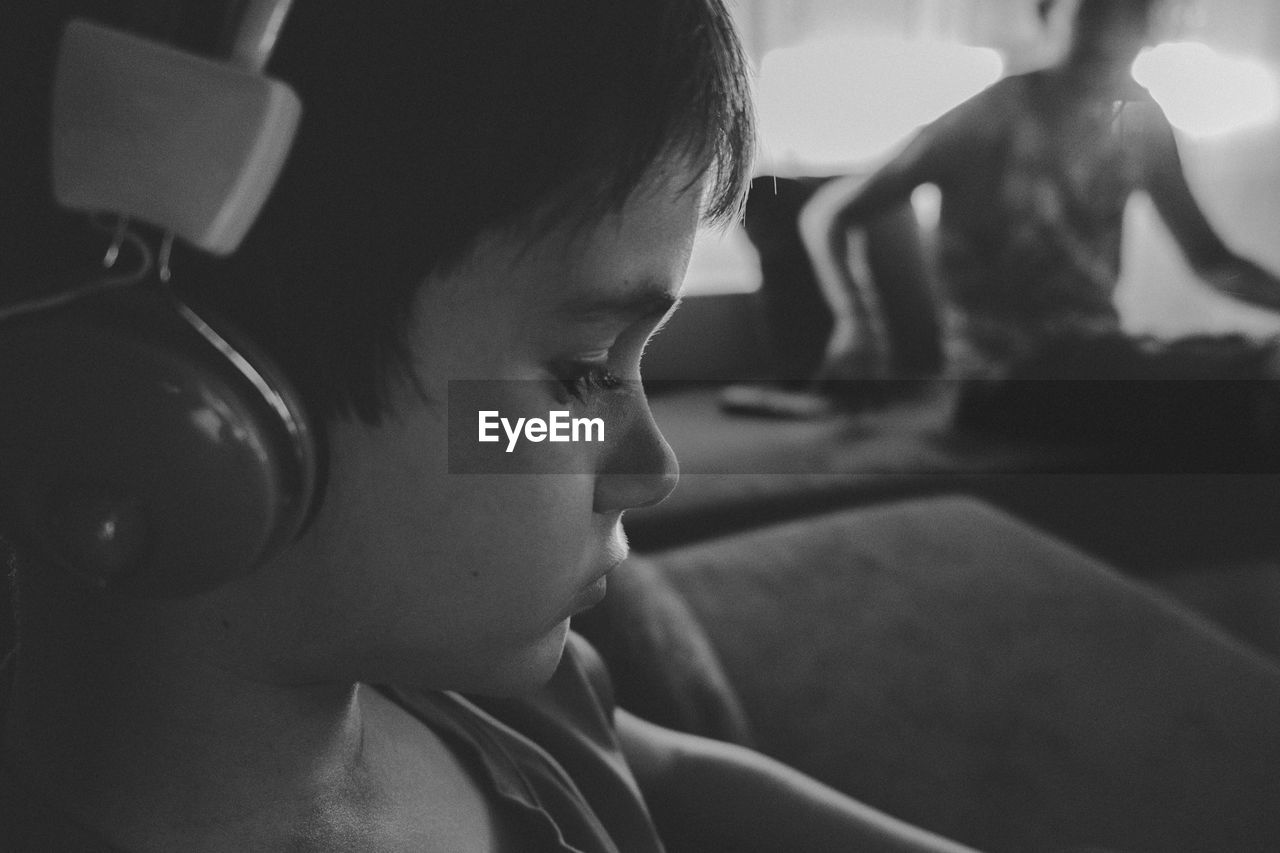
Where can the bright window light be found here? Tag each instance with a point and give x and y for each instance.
(723, 261)
(1205, 93)
(834, 103)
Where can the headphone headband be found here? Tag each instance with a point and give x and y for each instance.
(148, 132)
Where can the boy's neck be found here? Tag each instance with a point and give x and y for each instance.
(1084, 80)
(128, 733)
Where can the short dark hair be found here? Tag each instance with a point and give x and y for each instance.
(427, 123)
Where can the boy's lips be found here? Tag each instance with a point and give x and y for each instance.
(590, 595)
(593, 592)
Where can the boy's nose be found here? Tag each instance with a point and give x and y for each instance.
(639, 468)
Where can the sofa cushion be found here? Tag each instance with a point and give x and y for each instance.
(965, 672)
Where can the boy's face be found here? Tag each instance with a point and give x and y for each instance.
(414, 574)
(1111, 32)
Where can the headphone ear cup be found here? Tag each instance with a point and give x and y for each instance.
(145, 450)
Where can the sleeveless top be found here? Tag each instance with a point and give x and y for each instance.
(551, 761)
(1040, 259)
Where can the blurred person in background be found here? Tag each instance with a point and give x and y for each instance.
(1034, 173)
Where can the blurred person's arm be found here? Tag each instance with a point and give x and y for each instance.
(951, 145)
(1212, 259)
(830, 224)
(709, 795)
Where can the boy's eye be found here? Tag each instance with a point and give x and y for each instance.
(583, 379)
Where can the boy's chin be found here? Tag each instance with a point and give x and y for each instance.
(527, 670)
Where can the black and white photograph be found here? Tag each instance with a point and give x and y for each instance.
(627, 426)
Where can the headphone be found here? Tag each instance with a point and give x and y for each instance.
(145, 446)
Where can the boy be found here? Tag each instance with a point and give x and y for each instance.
(1035, 173)
(479, 190)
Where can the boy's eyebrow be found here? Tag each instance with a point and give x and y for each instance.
(652, 300)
